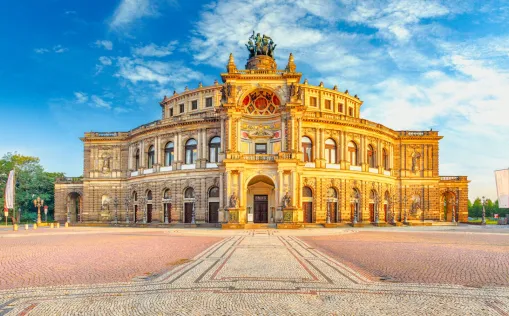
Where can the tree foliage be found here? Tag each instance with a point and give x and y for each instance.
(491, 208)
(31, 182)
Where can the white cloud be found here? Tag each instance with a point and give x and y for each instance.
(138, 70)
(152, 50)
(81, 97)
(41, 50)
(106, 61)
(129, 11)
(59, 49)
(108, 45)
(99, 102)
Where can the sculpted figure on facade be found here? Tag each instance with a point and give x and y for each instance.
(287, 200)
(416, 158)
(234, 200)
(260, 45)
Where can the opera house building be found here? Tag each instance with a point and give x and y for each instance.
(263, 146)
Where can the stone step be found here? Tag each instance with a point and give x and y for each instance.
(259, 226)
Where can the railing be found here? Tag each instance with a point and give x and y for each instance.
(261, 71)
(283, 155)
(417, 133)
(76, 180)
(453, 178)
(106, 134)
(259, 157)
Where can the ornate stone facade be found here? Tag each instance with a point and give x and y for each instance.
(281, 149)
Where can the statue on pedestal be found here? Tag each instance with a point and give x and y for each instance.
(234, 200)
(287, 199)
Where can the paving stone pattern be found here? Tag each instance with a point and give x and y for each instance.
(258, 273)
(423, 257)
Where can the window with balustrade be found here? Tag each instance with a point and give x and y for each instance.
(307, 148)
(169, 154)
(330, 151)
(385, 159)
(151, 157)
(137, 160)
(353, 153)
(371, 157)
(191, 150)
(214, 145)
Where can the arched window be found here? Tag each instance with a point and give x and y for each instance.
(167, 194)
(191, 151)
(214, 145)
(135, 196)
(332, 193)
(307, 192)
(189, 193)
(151, 157)
(137, 160)
(307, 149)
(169, 154)
(149, 195)
(385, 159)
(330, 151)
(371, 157)
(352, 149)
(214, 192)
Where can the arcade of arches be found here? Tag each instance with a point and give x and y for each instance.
(264, 146)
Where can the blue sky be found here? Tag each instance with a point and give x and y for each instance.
(74, 66)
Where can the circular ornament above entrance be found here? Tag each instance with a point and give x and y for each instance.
(261, 102)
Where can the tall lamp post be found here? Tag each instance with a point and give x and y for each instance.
(451, 201)
(405, 220)
(68, 212)
(127, 202)
(115, 202)
(144, 205)
(355, 200)
(483, 220)
(38, 203)
(393, 203)
(193, 215)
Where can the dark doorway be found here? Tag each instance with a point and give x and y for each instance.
(213, 212)
(136, 213)
(371, 212)
(332, 209)
(385, 212)
(261, 209)
(167, 210)
(149, 213)
(188, 212)
(307, 207)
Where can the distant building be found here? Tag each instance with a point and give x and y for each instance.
(267, 147)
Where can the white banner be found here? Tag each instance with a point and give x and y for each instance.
(502, 179)
(9, 191)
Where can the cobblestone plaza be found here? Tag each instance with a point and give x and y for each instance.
(369, 271)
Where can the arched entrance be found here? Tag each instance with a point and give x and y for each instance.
(213, 205)
(373, 206)
(260, 199)
(449, 205)
(332, 205)
(74, 207)
(189, 201)
(307, 204)
(149, 206)
(135, 204)
(167, 206)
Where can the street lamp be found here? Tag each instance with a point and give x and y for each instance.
(393, 203)
(355, 200)
(68, 212)
(483, 220)
(115, 202)
(451, 201)
(405, 220)
(127, 202)
(143, 203)
(328, 209)
(38, 203)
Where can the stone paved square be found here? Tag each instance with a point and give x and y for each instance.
(97, 271)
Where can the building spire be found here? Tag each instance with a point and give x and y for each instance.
(291, 64)
(231, 67)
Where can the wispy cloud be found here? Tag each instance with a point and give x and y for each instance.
(81, 97)
(56, 49)
(92, 101)
(129, 11)
(99, 102)
(153, 50)
(108, 45)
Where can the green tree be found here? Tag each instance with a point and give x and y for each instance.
(31, 181)
(476, 209)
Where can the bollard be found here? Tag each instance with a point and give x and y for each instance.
(15, 227)
(58, 224)
(66, 224)
(35, 226)
(26, 226)
(52, 225)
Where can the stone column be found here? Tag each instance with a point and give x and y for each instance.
(283, 135)
(222, 150)
(241, 190)
(221, 193)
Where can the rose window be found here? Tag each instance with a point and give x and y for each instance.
(261, 103)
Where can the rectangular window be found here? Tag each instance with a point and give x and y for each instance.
(171, 112)
(194, 105)
(340, 108)
(208, 102)
(350, 111)
(181, 108)
(260, 148)
(312, 101)
(328, 104)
